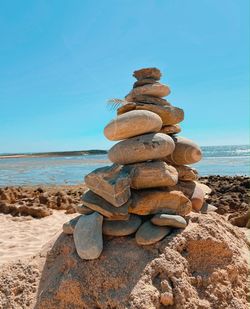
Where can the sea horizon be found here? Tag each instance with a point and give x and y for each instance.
(69, 168)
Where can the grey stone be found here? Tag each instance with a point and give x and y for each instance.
(169, 220)
(121, 228)
(88, 236)
(141, 148)
(97, 203)
(83, 210)
(68, 227)
(149, 233)
(207, 208)
(111, 183)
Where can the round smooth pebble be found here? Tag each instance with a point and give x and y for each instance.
(121, 228)
(169, 220)
(149, 233)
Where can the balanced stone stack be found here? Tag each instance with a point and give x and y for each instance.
(150, 188)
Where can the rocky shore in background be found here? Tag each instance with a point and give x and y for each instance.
(230, 195)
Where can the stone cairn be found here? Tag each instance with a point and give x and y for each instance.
(150, 188)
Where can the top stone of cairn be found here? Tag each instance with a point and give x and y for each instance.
(153, 73)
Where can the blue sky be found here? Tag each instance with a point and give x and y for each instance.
(60, 61)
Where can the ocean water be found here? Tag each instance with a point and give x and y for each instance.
(217, 160)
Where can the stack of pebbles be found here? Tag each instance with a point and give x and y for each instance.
(150, 188)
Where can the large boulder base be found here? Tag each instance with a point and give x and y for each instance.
(141, 148)
(204, 266)
(110, 182)
(131, 124)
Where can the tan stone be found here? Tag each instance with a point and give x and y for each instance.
(155, 90)
(153, 73)
(126, 108)
(97, 203)
(142, 82)
(141, 148)
(131, 124)
(111, 183)
(152, 174)
(193, 191)
(171, 129)
(186, 152)
(149, 100)
(169, 114)
(152, 201)
(186, 173)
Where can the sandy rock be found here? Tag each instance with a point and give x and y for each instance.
(121, 228)
(141, 148)
(97, 203)
(171, 129)
(145, 81)
(169, 220)
(83, 210)
(149, 233)
(186, 173)
(170, 115)
(131, 124)
(152, 174)
(160, 200)
(141, 98)
(88, 236)
(155, 90)
(153, 73)
(186, 152)
(68, 227)
(111, 183)
(205, 265)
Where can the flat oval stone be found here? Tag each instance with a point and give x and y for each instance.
(121, 228)
(155, 90)
(153, 73)
(185, 152)
(152, 174)
(83, 210)
(171, 129)
(142, 82)
(186, 173)
(68, 227)
(141, 148)
(148, 100)
(88, 236)
(169, 220)
(99, 204)
(131, 124)
(149, 234)
(160, 200)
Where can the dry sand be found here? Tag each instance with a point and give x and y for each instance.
(22, 237)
